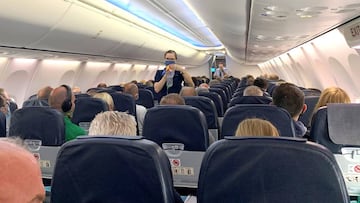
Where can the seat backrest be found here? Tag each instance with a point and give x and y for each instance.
(86, 109)
(112, 169)
(336, 126)
(225, 88)
(343, 125)
(216, 98)
(249, 100)
(310, 101)
(269, 169)
(35, 102)
(177, 124)
(279, 117)
(319, 131)
(124, 102)
(223, 96)
(2, 125)
(206, 106)
(146, 98)
(41, 123)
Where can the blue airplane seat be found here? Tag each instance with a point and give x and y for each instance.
(35, 102)
(112, 169)
(86, 109)
(41, 123)
(223, 96)
(249, 100)
(13, 106)
(279, 117)
(336, 126)
(124, 102)
(310, 101)
(146, 98)
(117, 88)
(319, 131)
(206, 106)
(82, 95)
(177, 124)
(2, 124)
(269, 170)
(216, 98)
(225, 88)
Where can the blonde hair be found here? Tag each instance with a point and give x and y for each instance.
(332, 95)
(107, 98)
(256, 127)
(113, 123)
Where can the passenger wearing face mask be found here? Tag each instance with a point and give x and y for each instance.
(170, 80)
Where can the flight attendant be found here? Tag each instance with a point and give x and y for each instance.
(171, 78)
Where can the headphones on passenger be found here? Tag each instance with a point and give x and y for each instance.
(67, 103)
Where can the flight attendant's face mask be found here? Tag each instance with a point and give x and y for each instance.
(168, 62)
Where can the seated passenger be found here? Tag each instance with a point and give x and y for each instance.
(133, 90)
(253, 90)
(44, 93)
(332, 95)
(63, 100)
(172, 99)
(188, 91)
(106, 97)
(20, 175)
(291, 98)
(256, 127)
(76, 90)
(102, 85)
(113, 123)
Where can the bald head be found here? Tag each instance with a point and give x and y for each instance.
(20, 175)
(44, 93)
(253, 90)
(58, 96)
(188, 91)
(131, 88)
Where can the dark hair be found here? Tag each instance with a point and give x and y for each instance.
(67, 104)
(261, 82)
(289, 97)
(170, 52)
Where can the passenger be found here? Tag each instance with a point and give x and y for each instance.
(107, 98)
(256, 127)
(149, 83)
(187, 91)
(113, 123)
(332, 95)
(253, 90)
(63, 100)
(203, 87)
(133, 90)
(170, 79)
(102, 85)
(262, 84)
(221, 72)
(3, 105)
(214, 82)
(172, 99)
(44, 93)
(76, 90)
(291, 98)
(4, 94)
(20, 175)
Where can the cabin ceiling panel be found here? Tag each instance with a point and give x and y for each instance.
(278, 25)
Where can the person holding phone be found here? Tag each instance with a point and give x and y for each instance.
(170, 79)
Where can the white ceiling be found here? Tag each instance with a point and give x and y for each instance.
(250, 31)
